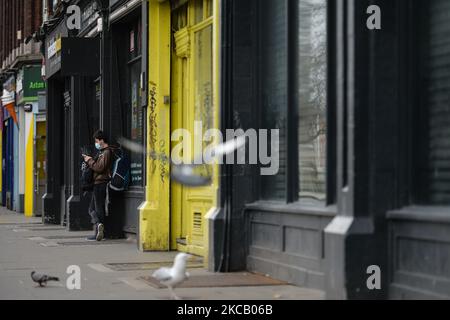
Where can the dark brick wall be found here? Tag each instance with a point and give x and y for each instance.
(24, 15)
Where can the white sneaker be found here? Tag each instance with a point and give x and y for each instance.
(100, 232)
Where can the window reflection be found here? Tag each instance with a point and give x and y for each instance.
(273, 30)
(313, 99)
(435, 133)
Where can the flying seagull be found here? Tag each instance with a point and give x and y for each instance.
(42, 279)
(217, 152)
(172, 277)
(185, 173)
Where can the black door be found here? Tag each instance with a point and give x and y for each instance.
(66, 151)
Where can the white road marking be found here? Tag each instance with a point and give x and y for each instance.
(99, 267)
(36, 239)
(49, 244)
(136, 284)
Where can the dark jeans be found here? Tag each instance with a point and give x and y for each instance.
(97, 206)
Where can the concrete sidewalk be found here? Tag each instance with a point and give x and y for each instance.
(26, 245)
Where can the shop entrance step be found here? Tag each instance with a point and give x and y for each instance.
(221, 280)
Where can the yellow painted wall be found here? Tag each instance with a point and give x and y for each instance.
(216, 99)
(154, 222)
(29, 168)
(155, 215)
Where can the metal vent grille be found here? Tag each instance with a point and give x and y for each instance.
(197, 221)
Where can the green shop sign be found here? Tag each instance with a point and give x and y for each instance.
(32, 83)
(36, 85)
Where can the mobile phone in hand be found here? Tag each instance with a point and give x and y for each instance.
(84, 151)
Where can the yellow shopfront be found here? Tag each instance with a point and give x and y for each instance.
(183, 86)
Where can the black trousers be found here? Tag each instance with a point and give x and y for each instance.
(97, 205)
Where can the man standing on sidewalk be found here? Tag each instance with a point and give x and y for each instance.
(101, 166)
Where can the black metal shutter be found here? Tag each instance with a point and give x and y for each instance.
(439, 102)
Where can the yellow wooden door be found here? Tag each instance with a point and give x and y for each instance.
(39, 166)
(192, 104)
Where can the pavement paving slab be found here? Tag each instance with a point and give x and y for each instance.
(114, 270)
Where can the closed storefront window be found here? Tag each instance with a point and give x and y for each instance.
(434, 183)
(293, 96)
(274, 87)
(313, 99)
(137, 124)
(136, 115)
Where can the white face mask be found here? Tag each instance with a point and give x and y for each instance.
(98, 146)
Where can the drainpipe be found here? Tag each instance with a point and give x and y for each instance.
(103, 28)
(226, 184)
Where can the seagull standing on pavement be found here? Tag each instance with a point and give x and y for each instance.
(42, 279)
(172, 277)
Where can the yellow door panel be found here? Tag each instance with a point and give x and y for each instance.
(193, 105)
(155, 219)
(176, 123)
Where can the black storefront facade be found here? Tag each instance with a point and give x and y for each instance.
(126, 94)
(364, 155)
(71, 115)
(91, 75)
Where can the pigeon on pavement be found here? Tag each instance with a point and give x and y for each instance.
(173, 277)
(42, 279)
